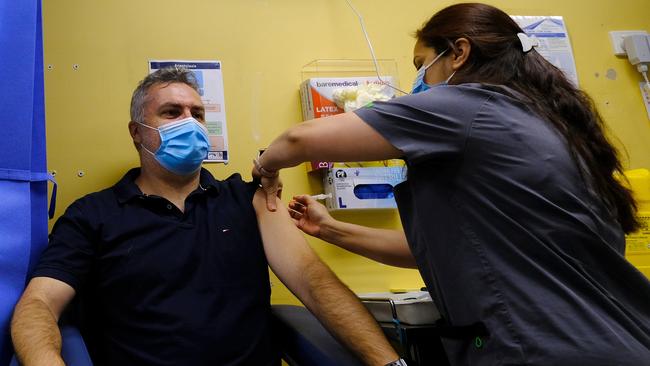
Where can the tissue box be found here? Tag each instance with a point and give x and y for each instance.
(317, 94)
(317, 97)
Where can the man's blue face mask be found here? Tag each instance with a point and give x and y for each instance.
(418, 84)
(184, 145)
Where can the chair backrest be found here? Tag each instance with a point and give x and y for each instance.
(23, 170)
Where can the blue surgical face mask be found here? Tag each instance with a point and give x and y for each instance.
(418, 84)
(184, 145)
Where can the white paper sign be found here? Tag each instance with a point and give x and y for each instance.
(554, 44)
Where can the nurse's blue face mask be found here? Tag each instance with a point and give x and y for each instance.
(418, 84)
(184, 145)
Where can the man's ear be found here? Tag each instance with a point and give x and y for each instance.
(135, 134)
(462, 49)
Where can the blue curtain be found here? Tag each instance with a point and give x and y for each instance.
(23, 168)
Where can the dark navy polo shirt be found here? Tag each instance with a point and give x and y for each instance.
(157, 286)
(506, 233)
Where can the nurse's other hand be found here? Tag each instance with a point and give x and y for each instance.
(272, 187)
(309, 215)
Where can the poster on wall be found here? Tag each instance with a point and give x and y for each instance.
(554, 43)
(210, 80)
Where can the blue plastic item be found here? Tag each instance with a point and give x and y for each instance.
(373, 191)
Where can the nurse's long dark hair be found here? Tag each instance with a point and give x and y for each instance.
(496, 57)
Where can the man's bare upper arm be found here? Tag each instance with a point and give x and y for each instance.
(287, 251)
(54, 293)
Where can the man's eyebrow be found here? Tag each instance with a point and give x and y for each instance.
(178, 105)
(166, 105)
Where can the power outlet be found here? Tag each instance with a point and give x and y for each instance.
(617, 40)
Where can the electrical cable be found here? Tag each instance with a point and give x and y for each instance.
(647, 83)
(372, 51)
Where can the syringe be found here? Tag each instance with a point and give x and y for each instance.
(321, 196)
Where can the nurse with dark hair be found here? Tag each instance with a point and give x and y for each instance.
(512, 210)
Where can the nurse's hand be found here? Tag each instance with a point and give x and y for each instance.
(271, 184)
(309, 215)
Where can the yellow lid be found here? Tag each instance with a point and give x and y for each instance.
(640, 183)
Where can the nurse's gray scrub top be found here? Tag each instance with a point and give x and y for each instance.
(506, 233)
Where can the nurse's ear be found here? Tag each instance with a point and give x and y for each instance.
(460, 54)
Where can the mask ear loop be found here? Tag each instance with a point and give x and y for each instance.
(141, 144)
(435, 59)
(432, 62)
(450, 76)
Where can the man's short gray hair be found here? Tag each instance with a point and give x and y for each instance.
(166, 75)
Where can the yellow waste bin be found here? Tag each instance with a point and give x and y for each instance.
(638, 243)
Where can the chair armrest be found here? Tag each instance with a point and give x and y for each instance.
(305, 342)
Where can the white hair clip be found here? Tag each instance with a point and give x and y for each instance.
(527, 43)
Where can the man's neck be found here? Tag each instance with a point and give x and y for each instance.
(175, 188)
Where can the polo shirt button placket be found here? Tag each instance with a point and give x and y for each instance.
(169, 206)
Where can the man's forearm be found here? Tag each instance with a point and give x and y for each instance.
(35, 334)
(382, 245)
(345, 317)
(300, 269)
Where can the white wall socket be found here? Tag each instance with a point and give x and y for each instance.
(617, 40)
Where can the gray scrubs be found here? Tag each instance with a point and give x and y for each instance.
(506, 233)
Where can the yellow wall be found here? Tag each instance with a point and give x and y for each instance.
(263, 45)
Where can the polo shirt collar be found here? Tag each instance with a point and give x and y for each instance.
(126, 189)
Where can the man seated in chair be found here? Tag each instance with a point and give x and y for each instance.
(169, 265)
